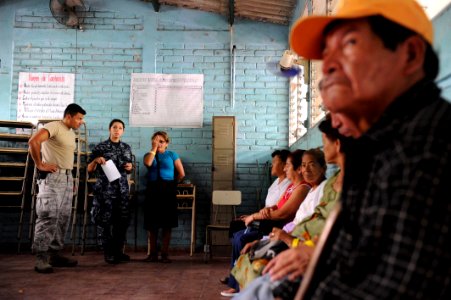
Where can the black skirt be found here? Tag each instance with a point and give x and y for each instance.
(160, 207)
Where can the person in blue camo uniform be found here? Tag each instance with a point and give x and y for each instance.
(165, 169)
(110, 209)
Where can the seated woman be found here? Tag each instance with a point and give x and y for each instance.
(291, 263)
(243, 236)
(286, 207)
(312, 169)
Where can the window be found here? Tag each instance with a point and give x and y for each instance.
(306, 108)
(305, 100)
(299, 106)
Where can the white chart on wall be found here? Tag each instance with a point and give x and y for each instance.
(166, 100)
(44, 95)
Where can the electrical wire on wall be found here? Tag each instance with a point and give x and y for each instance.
(76, 55)
(232, 69)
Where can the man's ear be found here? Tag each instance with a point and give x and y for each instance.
(415, 48)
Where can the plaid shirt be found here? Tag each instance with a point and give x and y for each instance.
(395, 238)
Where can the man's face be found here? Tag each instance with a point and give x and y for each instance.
(359, 73)
(330, 149)
(346, 126)
(76, 121)
(277, 166)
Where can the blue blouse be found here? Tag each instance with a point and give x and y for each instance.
(167, 168)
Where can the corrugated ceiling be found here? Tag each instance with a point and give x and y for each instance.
(271, 11)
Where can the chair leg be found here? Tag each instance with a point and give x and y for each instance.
(207, 248)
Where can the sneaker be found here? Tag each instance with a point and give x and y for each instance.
(59, 261)
(42, 264)
(229, 293)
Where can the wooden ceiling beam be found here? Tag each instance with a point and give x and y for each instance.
(272, 11)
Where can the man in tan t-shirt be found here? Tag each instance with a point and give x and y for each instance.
(56, 143)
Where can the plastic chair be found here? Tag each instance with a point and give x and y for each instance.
(221, 221)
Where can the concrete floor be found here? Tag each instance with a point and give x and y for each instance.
(185, 278)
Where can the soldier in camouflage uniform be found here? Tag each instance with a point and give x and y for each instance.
(110, 211)
(52, 149)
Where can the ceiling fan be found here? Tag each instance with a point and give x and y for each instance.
(68, 12)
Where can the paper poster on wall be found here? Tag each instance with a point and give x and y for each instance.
(44, 95)
(166, 100)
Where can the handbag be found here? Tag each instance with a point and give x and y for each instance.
(266, 249)
(264, 227)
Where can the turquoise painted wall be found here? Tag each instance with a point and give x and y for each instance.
(127, 36)
(122, 37)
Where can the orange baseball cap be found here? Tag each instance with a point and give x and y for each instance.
(306, 35)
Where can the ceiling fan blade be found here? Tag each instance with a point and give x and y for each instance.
(73, 19)
(74, 3)
(57, 8)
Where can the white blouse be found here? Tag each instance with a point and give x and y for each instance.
(276, 191)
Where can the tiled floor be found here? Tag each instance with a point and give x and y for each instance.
(185, 278)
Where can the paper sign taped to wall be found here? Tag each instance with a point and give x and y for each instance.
(166, 100)
(44, 95)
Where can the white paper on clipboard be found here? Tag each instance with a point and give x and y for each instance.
(110, 170)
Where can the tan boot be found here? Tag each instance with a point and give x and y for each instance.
(42, 263)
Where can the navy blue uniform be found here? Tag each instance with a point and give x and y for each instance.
(111, 211)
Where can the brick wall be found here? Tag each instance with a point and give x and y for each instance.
(122, 38)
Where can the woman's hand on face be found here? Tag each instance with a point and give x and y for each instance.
(155, 142)
(128, 166)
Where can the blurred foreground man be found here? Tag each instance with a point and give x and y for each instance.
(378, 71)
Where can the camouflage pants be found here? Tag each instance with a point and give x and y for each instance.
(53, 209)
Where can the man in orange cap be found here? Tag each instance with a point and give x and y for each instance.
(394, 238)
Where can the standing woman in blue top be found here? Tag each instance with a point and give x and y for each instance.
(165, 169)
